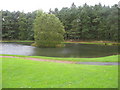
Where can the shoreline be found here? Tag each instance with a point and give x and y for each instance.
(71, 41)
(111, 58)
(67, 62)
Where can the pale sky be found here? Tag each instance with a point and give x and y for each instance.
(45, 5)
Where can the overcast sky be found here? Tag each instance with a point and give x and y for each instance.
(45, 5)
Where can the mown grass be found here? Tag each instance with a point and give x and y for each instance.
(0, 74)
(113, 58)
(21, 73)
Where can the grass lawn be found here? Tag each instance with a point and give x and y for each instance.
(21, 73)
(113, 58)
(0, 74)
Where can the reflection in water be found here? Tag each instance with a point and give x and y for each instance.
(70, 50)
(16, 49)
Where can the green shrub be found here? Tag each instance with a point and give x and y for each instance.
(48, 30)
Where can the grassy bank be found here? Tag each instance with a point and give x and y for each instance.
(113, 58)
(81, 42)
(16, 41)
(21, 73)
(95, 42)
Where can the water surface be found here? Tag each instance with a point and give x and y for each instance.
(70, 50)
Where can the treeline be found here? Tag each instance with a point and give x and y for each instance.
(17, 25)
(81, 23)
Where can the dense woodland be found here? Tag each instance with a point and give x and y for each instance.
(81, 23)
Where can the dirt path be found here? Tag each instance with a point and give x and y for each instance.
(69, 62)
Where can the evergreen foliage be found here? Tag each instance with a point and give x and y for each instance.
(89, 22)
(81, 23)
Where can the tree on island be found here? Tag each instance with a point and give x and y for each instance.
(48, 30)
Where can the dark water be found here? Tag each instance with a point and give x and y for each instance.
(70, 50)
